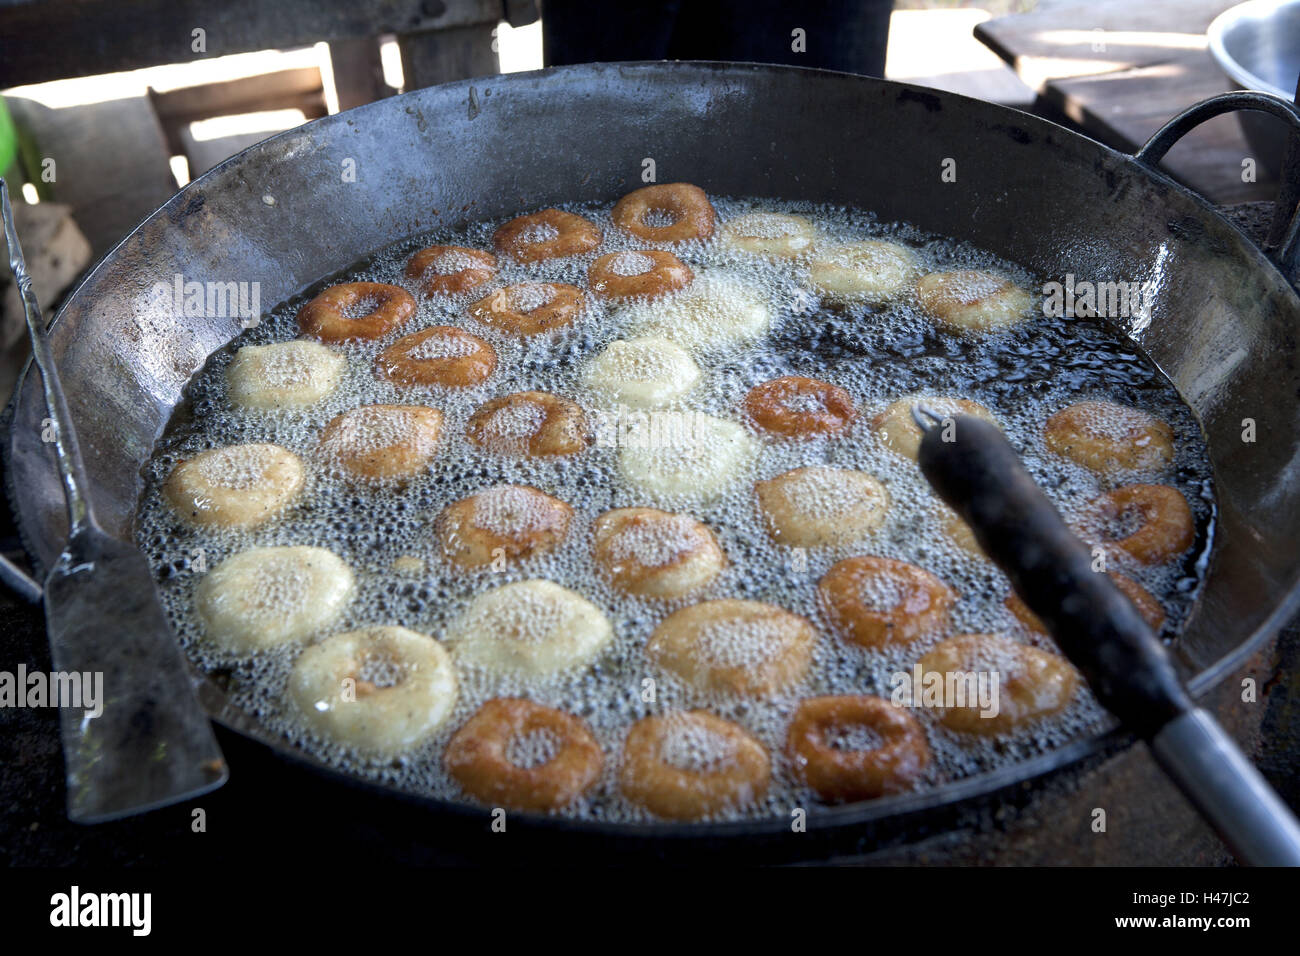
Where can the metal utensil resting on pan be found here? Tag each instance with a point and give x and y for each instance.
(975, 469)
(151, 744)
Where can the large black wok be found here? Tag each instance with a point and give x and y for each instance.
(1224, 327)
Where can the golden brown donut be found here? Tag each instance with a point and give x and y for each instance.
(1032, 683)
(891, 762)
(652, 553)
(1106, 437)
(377, 443)
(529, 424)
(239, 486)
(795, 406)
(819, 506)
(686, 209)
(686, 765)
(874, 601)
(451, 270)
(529, 308)
(638, 274)
(356, 310)
(1150, 523)
(524, 756)
(439, 355)
(1151, 610)
(510, 521)
(548, 234)
(734, 646)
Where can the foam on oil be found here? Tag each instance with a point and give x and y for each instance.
(877, 353)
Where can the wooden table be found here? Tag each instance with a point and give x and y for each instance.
(1120, 70)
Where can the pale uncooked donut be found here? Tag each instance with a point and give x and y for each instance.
(708, 455)
(267, 596)
(774, 234)
(380, 690)
(239, 486)
(531, 628)
(717, 311)
(381, 443)
(972, 301)
(821, 507)
(286, 375)
(642, 373)
(871, 271)
(899, 431)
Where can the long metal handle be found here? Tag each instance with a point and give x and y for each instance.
(71, 468)
(1229, 792)
(974, 468)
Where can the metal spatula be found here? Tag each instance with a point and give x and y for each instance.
(151, 744)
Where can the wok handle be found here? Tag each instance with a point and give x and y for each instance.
(1283, 243)
(973, 467)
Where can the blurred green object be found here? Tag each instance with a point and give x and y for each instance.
(8, 139)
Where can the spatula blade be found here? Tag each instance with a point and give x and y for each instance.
(151, 744)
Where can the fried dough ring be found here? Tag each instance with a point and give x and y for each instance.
(652, 553)
(638, 274)
(771, 234)
(820, 506)
(451, 270)
(971, 301)
(1106, 437)
(528, 238)
(478, 756)
(529, 308)
(838, 775)
(239, 486)
(529, 424)
(439, 355)
(379, 443)
(1167, 529)
(733, 646)
(874, 601)
(691, 764)
(775, 407)
(512, 521)
(1033, 683)
(689, 206)
(325, 317)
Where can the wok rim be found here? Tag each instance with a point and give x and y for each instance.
(1107, 742)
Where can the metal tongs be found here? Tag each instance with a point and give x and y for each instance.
(152, 744)
(976, 471)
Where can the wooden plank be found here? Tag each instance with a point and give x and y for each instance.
(441, 56)
(358, 71)
(65, 38)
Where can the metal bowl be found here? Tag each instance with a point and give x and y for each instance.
(1257, 45)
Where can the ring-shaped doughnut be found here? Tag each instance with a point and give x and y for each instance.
(356, 310)
(549, 234)
(451, 270)
(1106, 437)
(874, 601)
(524, 756)
(439, 355)
(506, 522)
(972, 301)
(653, 553)
(379, 443)
(686, 765)
(529, 308)
(795, 406)
(1165, 526)
(638, 274)
(529, 424)
(890, 762)
(239, 486)
(687, 207)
